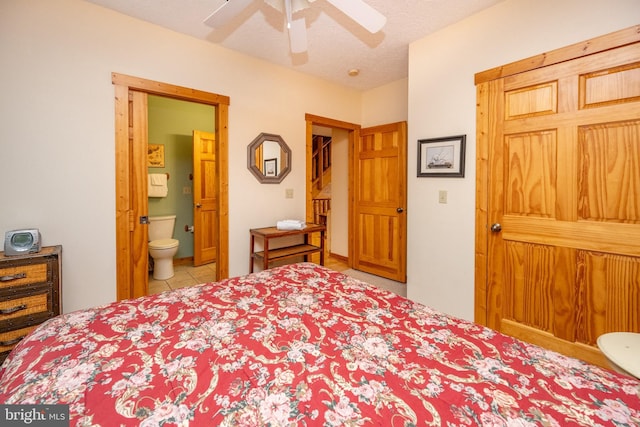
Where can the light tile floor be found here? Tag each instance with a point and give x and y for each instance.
(185, 275)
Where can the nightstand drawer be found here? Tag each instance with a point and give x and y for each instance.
(23, 275)
(25, 306)
(9, 339)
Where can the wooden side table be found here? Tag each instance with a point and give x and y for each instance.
(268, 254)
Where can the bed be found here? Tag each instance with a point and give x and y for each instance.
(301, 345)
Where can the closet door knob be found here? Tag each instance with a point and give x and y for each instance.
(198, 205)
(496, 228)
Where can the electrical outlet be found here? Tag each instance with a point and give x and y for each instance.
(186, 190)
(288, 193)
(442, 196)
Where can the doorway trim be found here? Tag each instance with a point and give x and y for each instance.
(353, 131)
(127, 153)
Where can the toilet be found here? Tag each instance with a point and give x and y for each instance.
(162, 246)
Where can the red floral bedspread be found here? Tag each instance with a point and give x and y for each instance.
(301, 345)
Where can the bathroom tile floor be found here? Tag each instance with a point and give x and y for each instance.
(185, 275)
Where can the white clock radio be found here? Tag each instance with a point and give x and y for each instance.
(24, 241)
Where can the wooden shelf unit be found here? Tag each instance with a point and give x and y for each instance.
(268, 255)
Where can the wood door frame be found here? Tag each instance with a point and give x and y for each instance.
(484, 125)
(353, 131)
(126, 253)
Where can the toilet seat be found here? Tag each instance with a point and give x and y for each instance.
(163, 244)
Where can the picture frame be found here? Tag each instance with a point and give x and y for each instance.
(155, 155)
(442, 157)
(271, 167)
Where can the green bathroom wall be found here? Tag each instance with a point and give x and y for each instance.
(171, 123)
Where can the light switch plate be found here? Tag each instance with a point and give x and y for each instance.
(442, 196)
(288, 193)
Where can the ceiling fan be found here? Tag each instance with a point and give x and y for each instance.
(363, 14)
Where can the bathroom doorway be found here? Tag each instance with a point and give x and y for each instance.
(131, 140)
(183, 133)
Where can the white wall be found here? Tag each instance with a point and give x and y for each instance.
(340, 192)
(57, 134)
(385, 104)
(442, 102)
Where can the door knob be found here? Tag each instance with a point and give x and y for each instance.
(198, 205)
(399, 210)
(496, 228)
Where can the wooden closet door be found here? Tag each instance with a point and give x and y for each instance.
(563, 217)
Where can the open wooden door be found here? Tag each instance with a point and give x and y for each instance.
(559, 171)
(205, 200)
(380, 201)
(131, 191)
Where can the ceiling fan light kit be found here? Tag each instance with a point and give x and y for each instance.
(363, 14)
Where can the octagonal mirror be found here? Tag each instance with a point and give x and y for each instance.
(269, 158)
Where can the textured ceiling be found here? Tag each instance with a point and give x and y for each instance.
(336, 43)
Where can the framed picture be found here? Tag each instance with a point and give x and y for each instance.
(155, 155)
(441, 157)
(271, 167)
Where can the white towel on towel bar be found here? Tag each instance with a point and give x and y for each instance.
(158, 185)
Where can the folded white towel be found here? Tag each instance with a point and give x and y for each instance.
(158, 179)
(291, 224)
(157, 185)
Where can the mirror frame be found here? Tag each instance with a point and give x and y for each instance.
(251, 158)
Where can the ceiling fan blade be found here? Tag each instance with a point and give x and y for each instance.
(298, 36)
(362, 13)
(226, 12)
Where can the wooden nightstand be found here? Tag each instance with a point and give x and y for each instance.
(29, 294)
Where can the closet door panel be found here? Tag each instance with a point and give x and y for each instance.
(563, 217)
